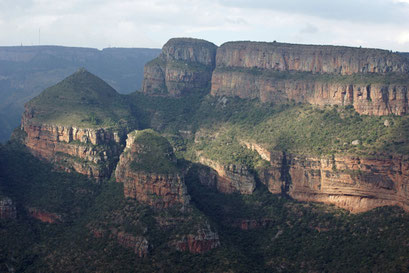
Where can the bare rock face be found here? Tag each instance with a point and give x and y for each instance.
(367, 98)
(357, 184)
(7, 208)
(310, 58)
(79, 124)
(147, 167)
(184, 66)
(203, 241)
(226, 178)
(89, 151)
(45, 216)
(139, 244)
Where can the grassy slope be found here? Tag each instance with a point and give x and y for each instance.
(82, 100)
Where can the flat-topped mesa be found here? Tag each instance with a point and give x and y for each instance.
(184, 66)
(373, 81)
(310, 58)
(79, 124)
(148, 169)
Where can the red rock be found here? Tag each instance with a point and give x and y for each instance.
(44, 216)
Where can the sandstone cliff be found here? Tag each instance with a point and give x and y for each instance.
(184, 66)
(147, 167)
(79, 124)
(368, 98)
(354, 183)
(310, 58)
(226, 178)
(374, 81)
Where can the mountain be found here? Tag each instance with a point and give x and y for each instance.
(79, 124)
(27, 70)
(212, 167)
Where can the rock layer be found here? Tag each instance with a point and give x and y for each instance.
(92, 152)
(159, 190)
(367, 98)
(184, 66)
(203, 241)
(310, 58)
(226, 178)
(354, 183)
(45, 216)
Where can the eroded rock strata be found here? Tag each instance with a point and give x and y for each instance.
(367, 98)
(156, 187)
(92, 152)
(354, 183)
(226, 178)
(184, 66)
(204, 240)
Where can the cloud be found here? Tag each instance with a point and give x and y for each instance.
(140, 23)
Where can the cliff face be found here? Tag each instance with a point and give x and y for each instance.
(368, 99)
(354, 183)
(310, 58)
(79, 124)
(184, 66)
(320, 75)
(92, 152)
(151, 186)
(226, 178)
(203, 241)
(45, 216)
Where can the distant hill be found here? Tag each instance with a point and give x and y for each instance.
(27, 70)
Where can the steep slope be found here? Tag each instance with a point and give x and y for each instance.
(80, 124)
(25, 71)
(184, 66)
(149, 171)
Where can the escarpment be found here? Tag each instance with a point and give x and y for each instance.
(184, 66)
(374, 82)
(79, 124)
(226, 178)
(355, 183)
(310, 58)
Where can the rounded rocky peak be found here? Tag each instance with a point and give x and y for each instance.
(151, 152)
(190, 50)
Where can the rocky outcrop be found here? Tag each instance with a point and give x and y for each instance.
(184, 66)
(354, 183)
(367, 98)
(92, 152)
(310, 58)
(374, 81)
(226, 178)
(7, 208)
(139, 244)
(151, 185)
(45, 216)
(203, 241)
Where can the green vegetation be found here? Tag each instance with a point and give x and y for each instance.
(285, 236)
(82, 100)
(155, 154)
(363, 78)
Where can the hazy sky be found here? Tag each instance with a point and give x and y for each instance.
(137, 23)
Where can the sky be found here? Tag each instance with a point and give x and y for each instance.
(136, 23)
